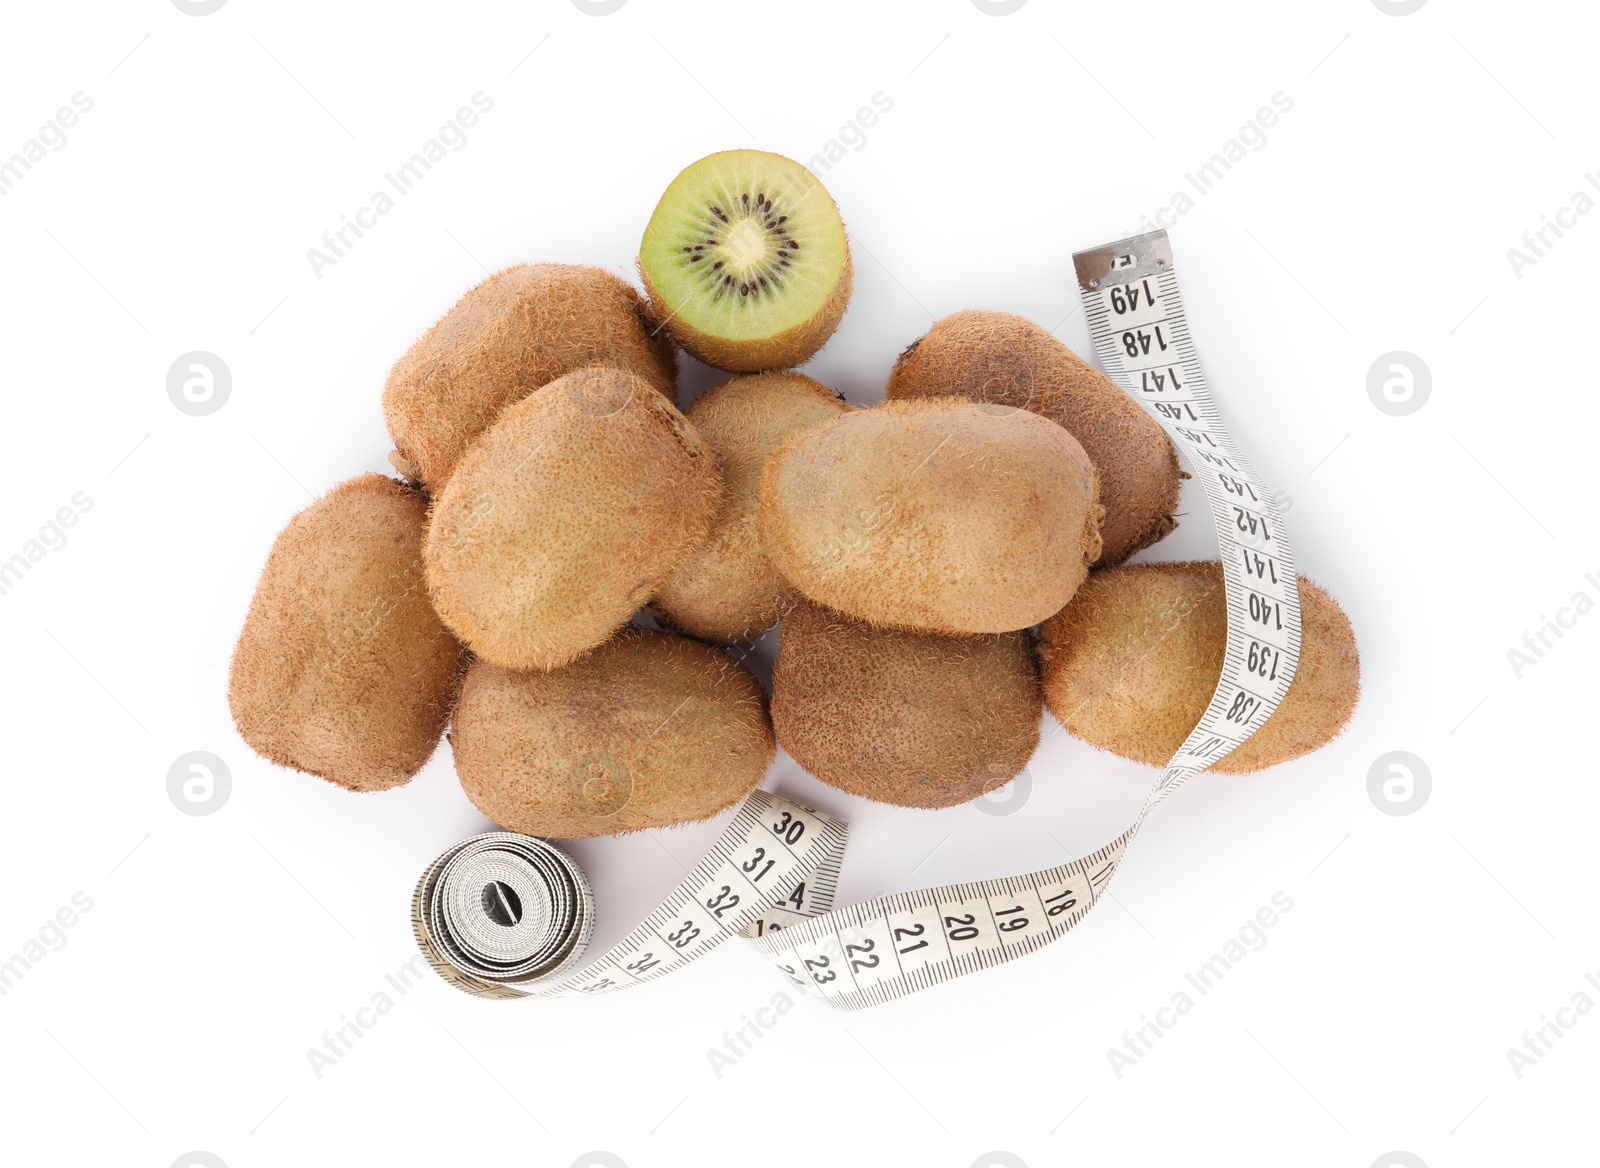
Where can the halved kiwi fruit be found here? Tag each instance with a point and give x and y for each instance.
(746, 261)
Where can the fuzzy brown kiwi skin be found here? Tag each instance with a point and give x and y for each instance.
(912, 719)
(1003, 358)
(566, 516)
(1130, 665)
(649, 729)
(793, 346)
(342, 669)
(728, 591)
(507, 337)
(854, 515)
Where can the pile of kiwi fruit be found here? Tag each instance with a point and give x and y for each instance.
(569, 568)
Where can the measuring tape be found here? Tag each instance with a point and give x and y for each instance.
(501, 910)
(506, 915)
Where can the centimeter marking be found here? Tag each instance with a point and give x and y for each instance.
(879, 950)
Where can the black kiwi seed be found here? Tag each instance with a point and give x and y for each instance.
(765, 275)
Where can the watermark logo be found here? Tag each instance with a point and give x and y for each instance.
(999, 8)
(199, 383)
(51, 135)
(603, 785)
(1399, 383)
(51, 937)
(599, 396)
(1399, 783)
(1541, 1040)
(852, 134)
(1399, 1159)
(1250, 138)
(198, 8)
(1005, 796)
(599, 1159)
(598, 8)
(999, 1160)
(1251, 937)
(1536, 643)
(450, 138)
(1536, 242)
(341, 1040)
(1398, 7)
(199, 1159)
(741, 1041)
(50, 538)
(199, 783)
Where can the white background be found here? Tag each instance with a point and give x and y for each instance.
(178, 1011)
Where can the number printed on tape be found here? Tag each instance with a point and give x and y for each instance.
(918, 937)
(869, 952)
(968, 927)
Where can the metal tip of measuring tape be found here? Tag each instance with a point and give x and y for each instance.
(1127, 259)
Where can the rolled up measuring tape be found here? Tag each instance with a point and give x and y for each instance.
(506, 915)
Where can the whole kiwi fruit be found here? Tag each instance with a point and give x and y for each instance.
(1002, 358)
(727, 590)
(565, 516)
(342, 669)
(914, 719)
(945, 516)
(1130, 665)
(515, 332)
(650, 729)
(746, 262)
